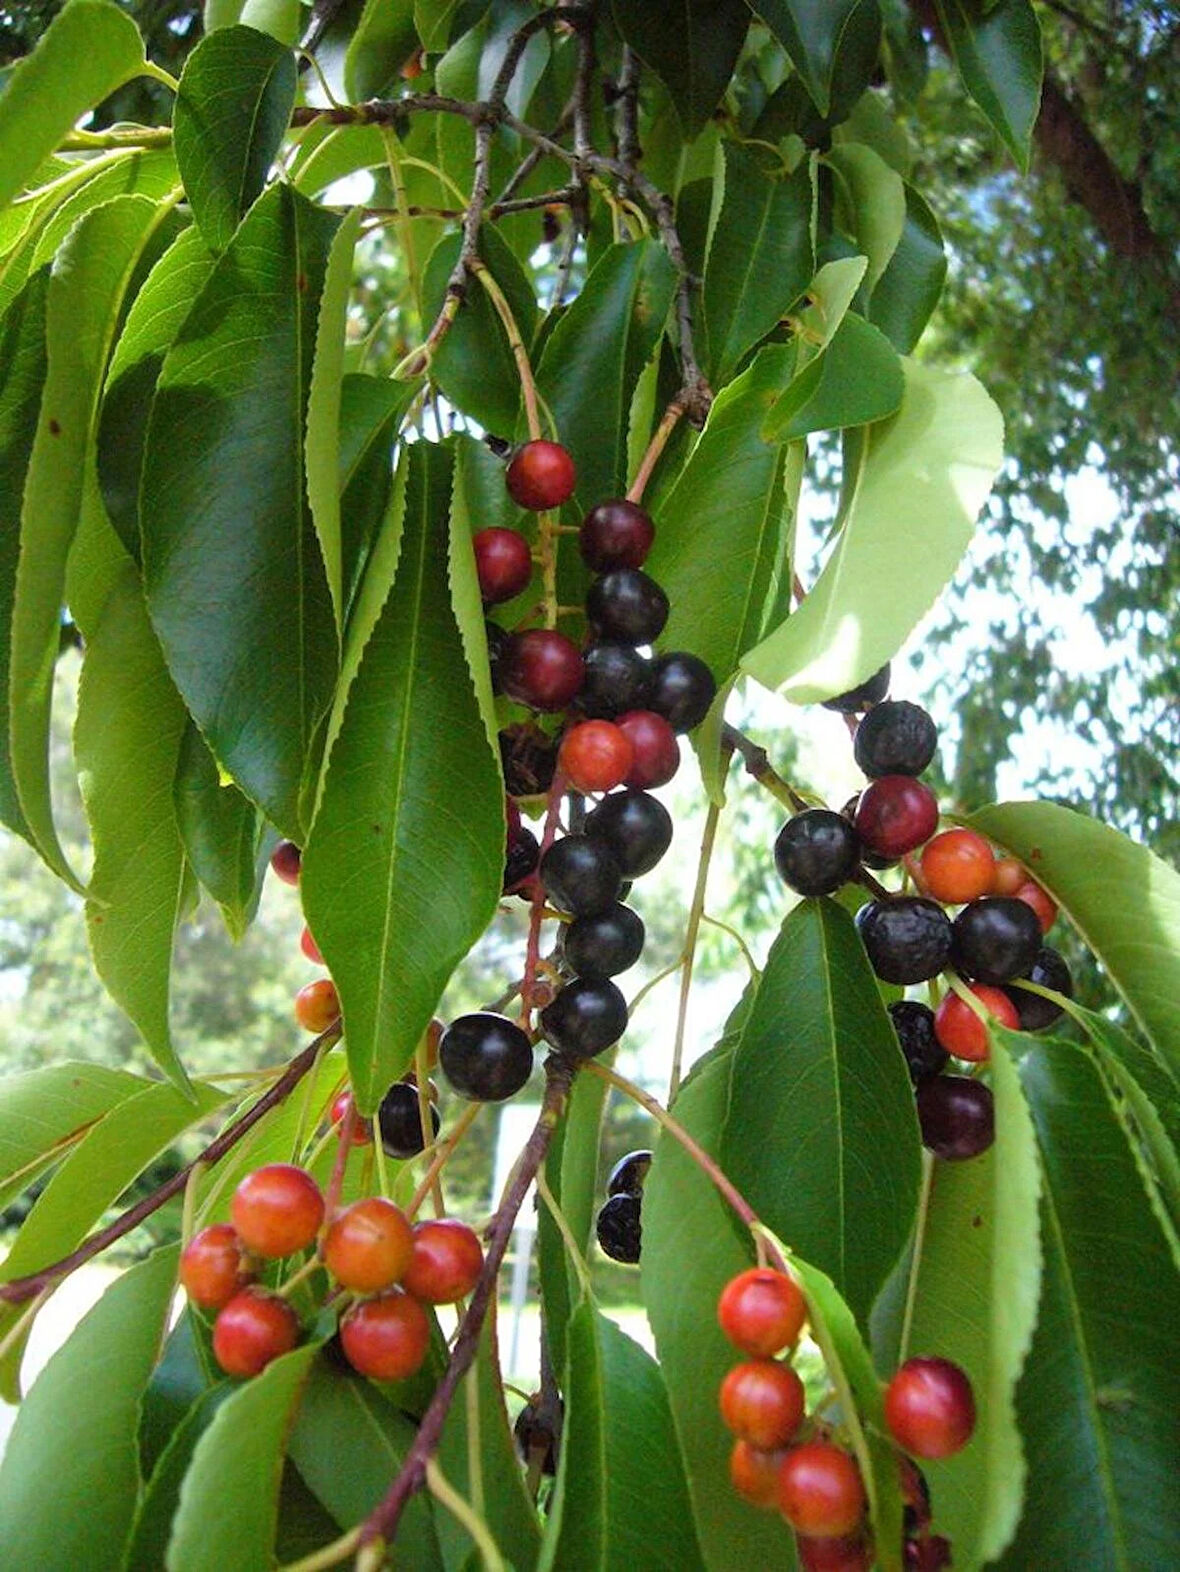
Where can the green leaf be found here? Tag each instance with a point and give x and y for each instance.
(472, 471)
(829, 296)
(1124, 902)
(760, 256)
(810, 31)
(433, 19)
(89, 49)
(1101, 1389)
(236, 584)
(870, 204)
(925, 476)
(220, 830)
(185, 1371)
(282, 19)
(998, 52)
(384, 40)
(857, 379)
(127, 742)
(595, 355)
(44, 1111)
(371, 410)
(148, 1540)
(692, 46)
(821, 1135)
(228, 1512)
(571, 1172)
(395, 910)
(908, 290)
(70, 1475)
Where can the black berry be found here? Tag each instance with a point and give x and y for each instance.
(400, 1121)
(581, 875)
(629, 1174)
(626, 605)
(485, 1057)
(908, 939)
(956, 1115)
(895, 738)
(617, 680)
(588, 1015)
(619, 1230)
(529, 760)
(522, 857)
(541, 668)
(616, 534)
(914, 1025)
(816, 851)
(682, 690)
(996, 938)
(636, 826)
(871, 691)
(604, 945)
(1048, 971)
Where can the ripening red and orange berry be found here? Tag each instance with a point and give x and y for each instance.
(317, 1005)
(387, 1338)
(251, 1330)
(277, 1210)
(213, 1266)
(761, 1311)
(957, 866)
(959, 1029)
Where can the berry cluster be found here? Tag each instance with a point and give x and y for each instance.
(618, 1224)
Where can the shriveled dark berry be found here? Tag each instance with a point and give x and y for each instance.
(996, 938)
(871, 691)
(588, 1015)
(956, 1115)
(816, 851)
(619, 1230)
(908, 939)
(1048, 971)
(497, 638)
(524, 852)
(636, 826)
(617, 678)
(485, 1057)
(682, 689)
(616, 534)
(535, 1440)
(628, 606)
(895, 738)
(604, 945)
(529, 760)
(629, 1174)
(581, 875)
(914, 1025)
(399, 1118)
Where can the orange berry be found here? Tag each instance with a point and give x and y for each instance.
(959, 1029)
(763, 1402)
(386, 1338)
(368, 1246)
(253, 1328)
(1008, 876)
(761, 1311)
(309, 947)
(317, 1005)
(957, 866)
(1044, 905)
(277, 1210)
(753, 1473)
(213, 1266)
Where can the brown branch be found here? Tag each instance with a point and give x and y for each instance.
(757, 762)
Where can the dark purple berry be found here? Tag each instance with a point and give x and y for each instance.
(588, 1015)
(895, 738)
(1049, 971)
(682, 690)
(908, 939)
(617, 680)
(629, 1174)
(996, 938)
(581, 875)
(956, 1115)
(541, 668)
(399, 1119)
(627, 606)
(605, 945)
(529, 760)
(816, 852)
(871, 691)
(914, 1025)
(616, 534)
(619, 1230)
(523, 854)
(485, 1057)
(636, 826)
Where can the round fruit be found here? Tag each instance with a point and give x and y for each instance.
(996, 939)
(656, 753)
(616, 534)
(761, 1311)
(619, 1228)
(629, 1174)
(820, 1491)
(908, 939)
(581, 875)
(541, 475)
(895, 738)
(251, 1330)
(277, 1210)
(849, 1553)
(540, 668)
(446, 1262)
(386, 1339)
(1035, 1012)
(521, 859)
(596, 756)
(753, 1473)
(763, 1402)
(529, 760)
(317, 1005)
(485, 1057)
(896, 813)
(682, 690)
(957, 866)
(959, 1029)
(871, 691)
(930, 1408)
(914, 1025)
(535, 1441)
(1042, 904)
(309, 947)
(212, 1266)
(637, 828)
(1008, 877)
(588, 1015)
(816, 852)
(617, 678)
(956, 1116)
(399, 1119)
(362, 1133)
(626, 605)
(368, 1245)
(605, 945)
(286, 860)
(503, 564)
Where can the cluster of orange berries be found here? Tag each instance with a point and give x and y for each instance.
(389, 1267)
(317, 1004)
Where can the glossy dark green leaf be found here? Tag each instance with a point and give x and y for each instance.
(395, 911)
(148, 1540)
(692, 46)
(1101, 1389)
(810, 31)
(44, 1111)
(760, 256)
(595, 355)
(371, 410)
(857, 379)
(186, 1369)
(571, 1172)
(907, 291)
(89, 1392)
(385, 38)
(220, 829)
(998, 52)
(870, 206)
(235, 581)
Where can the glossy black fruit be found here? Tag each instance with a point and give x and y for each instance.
(605, 945)
(617, 680)
(616, 534)
(529, 759)
(908, 939)
(636, 826)
(816, 851)
(524, 852)
(588, 1015)
(626, 605)
(400, 1121)
(497, 638)
(619, 1230)
(485, 1057)
(996, 938)
(682, 689)
(581, 875)
(914, 1025)
(895, 738)
(871, 691)
(956, 1116)
(1049, 971)
(629, 1174)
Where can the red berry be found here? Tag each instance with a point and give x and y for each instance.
(761, 1311)
(753, 1473)
(252, 1329)
(362, 1130)
(930, 1408)
(277, 1210)
(616, 534)
(446, 1262)
(763, 1402)
(286, 860)
(596, 755)
(820, 1491)
(309, 947)
(959, 1029)
(503, 563)
(957, 866)
(386, 1338)
(317, 1005)
(849, 1553)
(541, 668)
(213, 1267)
(1043, 905)
(657, 753)
(541, 475)
(895, 814)
(1008, 876)
(368, 1246)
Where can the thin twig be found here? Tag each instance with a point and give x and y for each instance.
(757, 762)
(688, 954)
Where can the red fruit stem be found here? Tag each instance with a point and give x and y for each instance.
(532, 957)
(654, 448)
(336, 1179)
(439, 1161)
